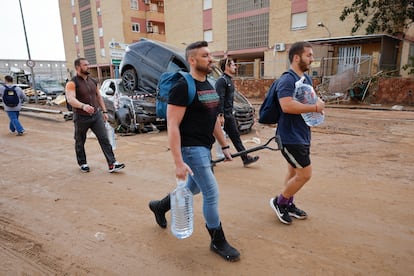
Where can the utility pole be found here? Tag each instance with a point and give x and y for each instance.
(30, 63)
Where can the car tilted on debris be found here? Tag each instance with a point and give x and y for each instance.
(129, 112)
(140, 69)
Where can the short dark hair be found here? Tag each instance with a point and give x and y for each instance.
(78, 61)
(298, 48)
(8, 78)
(223, 62)
(193, 46)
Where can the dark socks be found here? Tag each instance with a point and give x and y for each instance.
(281, 200)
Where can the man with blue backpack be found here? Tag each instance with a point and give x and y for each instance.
(13, 97)
(192, 129)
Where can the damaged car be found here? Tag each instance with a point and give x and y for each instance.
(140, 69)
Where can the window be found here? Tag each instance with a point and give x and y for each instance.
(299, 20)
(134, 4)
(208, 35)
(136, 27)
(299, 14)
(411, 55)
(207, 4)
(349, 58)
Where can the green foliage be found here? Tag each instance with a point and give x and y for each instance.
(409, 66)
(380, 16)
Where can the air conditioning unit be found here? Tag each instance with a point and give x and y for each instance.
(147, 2)
(279, 47)
(149, 24)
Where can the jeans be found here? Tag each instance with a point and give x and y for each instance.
(14, 124)
(96, 123)
(198, 158)
(230, 126)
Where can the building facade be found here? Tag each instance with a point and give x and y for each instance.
(256, 33)
(44, 68)
(101, 30)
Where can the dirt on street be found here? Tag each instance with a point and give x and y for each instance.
(56, 220)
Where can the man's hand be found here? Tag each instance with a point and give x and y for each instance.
(227, 155)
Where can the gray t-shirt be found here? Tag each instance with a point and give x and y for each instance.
(19, 92)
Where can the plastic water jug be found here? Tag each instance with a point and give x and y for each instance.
(304, 93)
(181, 211)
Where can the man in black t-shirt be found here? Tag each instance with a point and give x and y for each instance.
(192, 131)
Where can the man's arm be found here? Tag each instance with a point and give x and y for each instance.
(221, 91)
(175, 115)
(218, 134)
(289, 105)
(70, 91)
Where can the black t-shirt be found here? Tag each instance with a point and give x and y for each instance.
(200, 117)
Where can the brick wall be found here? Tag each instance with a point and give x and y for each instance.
(387, 91)
(393, 91)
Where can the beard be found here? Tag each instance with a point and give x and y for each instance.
(205, 69)
(303, 66)
(85, 72)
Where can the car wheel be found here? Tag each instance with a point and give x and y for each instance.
(130, 79)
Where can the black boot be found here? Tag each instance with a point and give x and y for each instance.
(160, 207)
(221, 246)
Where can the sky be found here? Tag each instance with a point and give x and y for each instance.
(43, 30)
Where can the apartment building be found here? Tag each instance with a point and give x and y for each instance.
(101, 30)
(257, 33)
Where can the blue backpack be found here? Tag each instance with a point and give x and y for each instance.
(270, 109)
(166, 82)
(10, 97)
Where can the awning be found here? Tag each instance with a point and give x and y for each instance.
(357, 39)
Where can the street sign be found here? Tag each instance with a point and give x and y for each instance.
(30, 63)
(116, 62)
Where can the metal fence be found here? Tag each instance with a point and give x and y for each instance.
(322, 67)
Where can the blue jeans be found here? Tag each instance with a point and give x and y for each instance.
(199, 160)
(14, 124)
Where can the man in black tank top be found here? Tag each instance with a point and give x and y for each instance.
(89, 112)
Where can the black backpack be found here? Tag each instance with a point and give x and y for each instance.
(270, 109)
(10, 97)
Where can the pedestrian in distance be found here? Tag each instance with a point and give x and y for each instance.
(192, 131)
(89, 112)
(225, 90)
(294, 133)
(12, 103)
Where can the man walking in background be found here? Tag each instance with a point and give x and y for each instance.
(225, 89)
(13, 97)
(89, 112)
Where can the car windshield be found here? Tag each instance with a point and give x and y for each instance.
(50, 83)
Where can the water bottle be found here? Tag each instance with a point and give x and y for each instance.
(181, 211)
(111, 134)
(304, 93)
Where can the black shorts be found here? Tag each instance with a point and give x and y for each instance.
(297, 155)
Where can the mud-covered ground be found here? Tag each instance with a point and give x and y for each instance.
(55, 220)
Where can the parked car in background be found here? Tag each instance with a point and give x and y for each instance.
(50, 86)
(145, 61)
